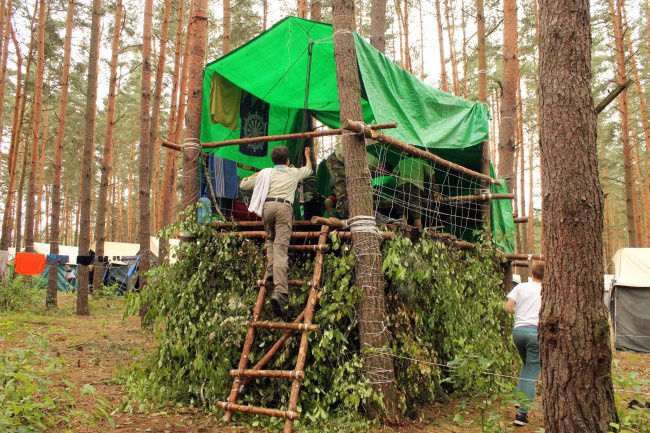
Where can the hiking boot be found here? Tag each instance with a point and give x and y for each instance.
(521, 419)
(278, 301)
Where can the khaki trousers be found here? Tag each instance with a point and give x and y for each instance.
(277, 223)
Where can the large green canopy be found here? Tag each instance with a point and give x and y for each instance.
(273, 67)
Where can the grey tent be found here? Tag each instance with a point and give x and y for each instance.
(630, 299)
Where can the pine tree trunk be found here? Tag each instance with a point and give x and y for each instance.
(19, 199)
(507, 129)
(171, 157)
(192, 146)
(373, 334)
(129, 209)
(441, 46)
(107, 157)
(449, 14)
(636, 180)
(407, 45)
(315, 12)
(378, 24)
(621, 78)
(144, 183)
(522, 173)
(36, 131)
(302, 9)
(7, 225)
(87, 158)
(480, 50)
(5, 36)
(575, 348)
(40, 179)
(226, 26)
(155, 113)
(464, 24)
(645, 181)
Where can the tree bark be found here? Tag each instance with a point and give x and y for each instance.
(144, 183)
(441, 47)
(464, 24)
(378, 24)
(5, 36)
(621, 77)
(507, 129)
(155, 113)
(407, 46)
(21, 188)
(40, 178)
(575, 348)
(480, 50)
(36, 131)
(452, 47)
(315, 11)
(226, 27)
(302, 9)
(373, 334)
(192, 144)
(87, 158)
(644, 182)
(131, 205)
(107, 158)
(171, 157)
(7, 226)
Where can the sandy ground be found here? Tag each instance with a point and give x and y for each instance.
(95, 348)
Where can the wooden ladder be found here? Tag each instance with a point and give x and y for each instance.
(303, 323)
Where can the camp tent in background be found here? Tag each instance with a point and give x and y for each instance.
(64, 250)
(268, 77)
(630, 299)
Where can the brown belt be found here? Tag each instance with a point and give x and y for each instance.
(279, 200)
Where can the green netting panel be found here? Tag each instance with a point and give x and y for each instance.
(503, 224)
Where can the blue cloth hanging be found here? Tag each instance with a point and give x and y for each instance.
(222, 173)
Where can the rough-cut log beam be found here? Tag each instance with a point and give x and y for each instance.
(294, 136)
(512, 257)
(521, 220)
(359, 128)
(612, 95)
(258, 234)
(277, 374)
(287, 414)
(477, 197)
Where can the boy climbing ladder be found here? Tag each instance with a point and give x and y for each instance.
(273, 192)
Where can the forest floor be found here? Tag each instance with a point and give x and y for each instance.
(98, 348)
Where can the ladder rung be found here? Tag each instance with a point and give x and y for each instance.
(296, 283)
(278, 374)
(283, 325)
(287, 414)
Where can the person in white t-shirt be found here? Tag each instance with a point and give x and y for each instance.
(524, 301)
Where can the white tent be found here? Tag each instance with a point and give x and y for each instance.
(630, 299)
(64, 250)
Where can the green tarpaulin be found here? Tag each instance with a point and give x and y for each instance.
(503, 224)
(274, 66)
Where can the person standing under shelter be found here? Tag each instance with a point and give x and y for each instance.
(70, 278)
(274, 190)
(411, 174)
(525, 301)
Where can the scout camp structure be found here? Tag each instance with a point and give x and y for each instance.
(266, 93)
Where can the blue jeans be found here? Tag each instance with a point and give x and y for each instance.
(525, 339)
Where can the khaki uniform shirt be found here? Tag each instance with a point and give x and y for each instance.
(283, 182)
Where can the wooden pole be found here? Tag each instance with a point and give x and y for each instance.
(359, 127)
(282, 137)
(477, 197)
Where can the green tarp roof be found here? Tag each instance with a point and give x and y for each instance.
(273, 66)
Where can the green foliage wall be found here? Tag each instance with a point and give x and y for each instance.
(441, 302)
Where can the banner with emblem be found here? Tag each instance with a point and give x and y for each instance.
(254, 114)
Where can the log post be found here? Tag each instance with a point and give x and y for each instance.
(192, 146)
(374, 336)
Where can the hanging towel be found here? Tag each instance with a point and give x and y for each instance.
(254, 113)
(29, 263)
(4, 258)
(225, 100)
(223, 175)
(260, 191)
(56, 260)
(85, 260)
